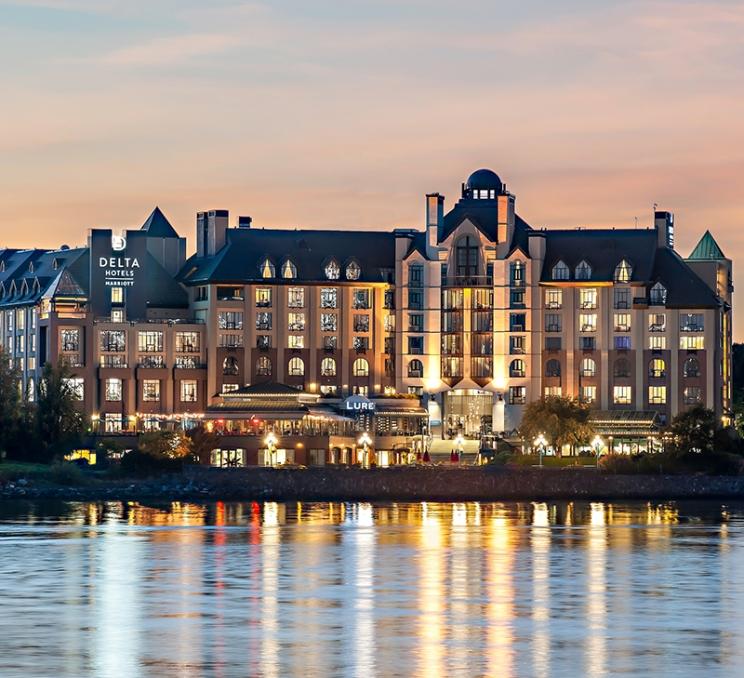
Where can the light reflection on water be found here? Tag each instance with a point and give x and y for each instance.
(244, 589)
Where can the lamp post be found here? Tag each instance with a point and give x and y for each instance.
(597, 444)
(365, 441)
(270, 441)
(541, 443)
(459, 445)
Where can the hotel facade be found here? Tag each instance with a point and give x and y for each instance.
(415, 337)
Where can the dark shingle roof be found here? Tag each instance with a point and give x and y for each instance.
(158, 226)
(685, 289)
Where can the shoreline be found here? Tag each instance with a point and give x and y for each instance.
(441, 484)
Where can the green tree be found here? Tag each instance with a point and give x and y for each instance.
(59, 421)
(694, 431)
(11, 405)
(202, 443)
(165, 444)
(561, 419)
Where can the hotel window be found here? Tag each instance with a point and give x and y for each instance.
(588, 368)
(588, 298)
(360, 368)
(296, 341)
(228, 388)
(516, 274)
(415, 299)
(330, 343)
(263, 320)
(589, 394)
(587, 322)
(657, 395)
(112, 423)
(553, 391)
(466, 257)
(31, 390)
(553, 343)
(360, 299)
(113, 341)
(553, 298)
(332, 270)
(552, 368)
(70, 339)
(20, 319)
(361, 322)
(452, 344)
(389, 323)
(415, 369)
(296, 322)
(621, 395)
(263, 297)
(692, 343)
(552, 322)
(328, 322)
(517, 368)
(452, 367)
(151, 390)
(623, 271)
(296, 367)
(75, 386)
(230, 366)
(452, 300)
(389, 345)
(622, 343)
(117, 316)
(263, 341)
(21, 339)
(150, 342)
(289, 270)
(583, 271)
(151, 361)
(360, 344)
(328, 367)
(517, 322)
(657, 322)
(360, 390)
(117, 295)
(691, 367)
(517, 395)
(388, 301)
(328, 389)
(560, 271)
(415, 345)
(692, 395)
(587, 343)
(516, 345)
(328, 297)
(296, 297)
(267, 269)
(657, 343)
(263, 366)
(691, 322)
(229, 293)
(187, 342)
(622, 322)
(188, 390)
(353, 271)
(658, 294)
(657, 368)
(621, 297)
(113, 390)
(230, 320)
(622, 368)
(415, 275)
(415, 322)
(228, 340)
(31, 363)
(516, 298)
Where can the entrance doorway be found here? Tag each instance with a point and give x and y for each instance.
(469, 412)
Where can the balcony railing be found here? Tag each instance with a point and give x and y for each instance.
(467, 281)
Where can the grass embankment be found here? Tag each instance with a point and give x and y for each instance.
(53, 474)
(551, 462)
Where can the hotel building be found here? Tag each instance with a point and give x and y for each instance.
(318, 335)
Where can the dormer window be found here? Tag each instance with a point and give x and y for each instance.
(267, 269)
(560, 271)
(289, 270)
(353, 271)
(623, 272)
(332, 270)
(583, 271)
(658, 294)
(55, 264)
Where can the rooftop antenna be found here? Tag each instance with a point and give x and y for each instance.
(636, 221)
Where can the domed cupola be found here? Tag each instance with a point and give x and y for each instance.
(483, 184)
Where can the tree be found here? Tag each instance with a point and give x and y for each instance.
(11, 405)
(59, 422)
(202, 443)
(561, 419)
(164, 444)
(694, 431)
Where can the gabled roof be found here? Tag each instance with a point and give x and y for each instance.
(158, 226)
(685, 289)
(64, 285)
(707, 249)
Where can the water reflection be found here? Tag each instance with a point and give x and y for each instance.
(233, 589)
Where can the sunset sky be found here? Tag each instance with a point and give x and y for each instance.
(343, 114)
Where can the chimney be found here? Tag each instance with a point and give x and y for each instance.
(505, 223)
(201, 234)
(244, 222)
(664, 225)
(216, 230)
(434, 219)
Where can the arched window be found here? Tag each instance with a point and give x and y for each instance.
(622, 368)
(263, 366)
(289, 270)
(466, 257)
(516, 368)
(658, 294)
(583, 270)
(623, 271)
(353, 271)
(328, 367)
(657, 368)
(588, 368)
(230, 366)
(267, 269)
(552, 368)
(332, 270)
(415, 368)
(560, 271)
(360, 368)
(691, 368)
(296, 367)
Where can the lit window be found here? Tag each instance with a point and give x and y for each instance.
(289, 270)
(560, 271)
(553, 298)
(517, 368)
(553, 391)
(332, 270)
(187, 342)
(587, 322)
(621, 395)
(296, 297)
(328, 322)
(517, 395)
(263, 297)
(657, 368)
(117, 295)
(623, 271)
(263, 320)
(657, 343)
(296, 322)
(657, 395)
(588, 298)
(230, 320)
(230, 366)
(229, 388)
(296, 367)
(360, 368)
(150, 342)
(692, 395)
(113, 390)
(692, 343)
(589, 394)
(328, 367)
(622, 322)
(328, 297)
(263, 366)
(296, 341)
(657, 322)
(188, 390)
(353, 271)
(75, 386)
(415, 368)
(267, 269)
(70, 340)
(117, 316)
(588, 368)
(151, 390)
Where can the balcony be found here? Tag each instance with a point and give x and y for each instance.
(467, 281)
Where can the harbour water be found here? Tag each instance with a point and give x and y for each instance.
(251, 589)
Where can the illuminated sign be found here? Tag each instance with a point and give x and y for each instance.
(358, 403)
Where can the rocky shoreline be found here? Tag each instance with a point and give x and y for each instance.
(200, 484)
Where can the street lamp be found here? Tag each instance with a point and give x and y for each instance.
(365, 441)
(270, 441)
(541, 443)
(597, 444)
(459, 445)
